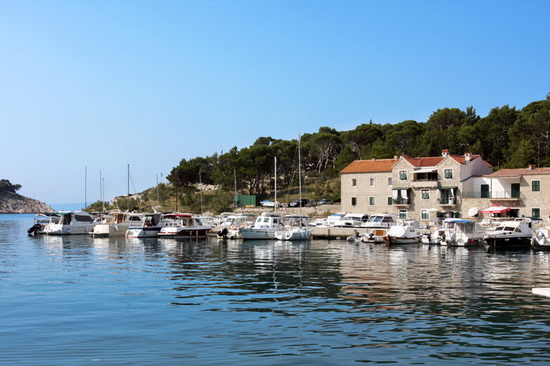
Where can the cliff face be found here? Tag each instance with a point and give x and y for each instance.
(14, 203)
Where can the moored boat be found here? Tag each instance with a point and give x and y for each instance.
(149, 228)
(116, 223)
(265, 227)
(458, 232)
(377, 227)
(183, 225)
(541, 239)
(70, 223)
(40, 222)
(403, 233)
(510, 235)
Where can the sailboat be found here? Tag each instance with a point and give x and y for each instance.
(299, 232)
(267, 224)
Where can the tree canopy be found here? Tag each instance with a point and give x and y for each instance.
(6, 186)
(506, 138)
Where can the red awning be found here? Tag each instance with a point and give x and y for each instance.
(496, 209)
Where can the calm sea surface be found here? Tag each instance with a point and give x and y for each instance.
(80, 300)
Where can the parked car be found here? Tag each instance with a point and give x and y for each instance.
(268, 203)
(303, 203)
(324, 201)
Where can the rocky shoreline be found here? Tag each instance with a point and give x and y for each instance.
(13, 203)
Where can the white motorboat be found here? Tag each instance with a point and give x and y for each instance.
(377, 227)
(457, 232)
(40, 222)
(149, 228)
(510, 235)
(265, 227)
(354, 220)
(230, 227)
(403, 233)
(541, 239)
(116, 223)
(70, 223)
(182, 225)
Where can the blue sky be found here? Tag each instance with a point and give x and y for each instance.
(103, 84)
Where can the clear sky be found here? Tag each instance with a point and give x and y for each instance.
(97, 85)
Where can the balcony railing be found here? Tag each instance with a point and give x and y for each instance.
(446, 201)
(495, 195)
(401, 201)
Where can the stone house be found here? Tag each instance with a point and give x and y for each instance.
(419, 188)
(366, 186)
(525, 191)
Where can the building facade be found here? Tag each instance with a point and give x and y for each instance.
(525, 191)
(420, 188)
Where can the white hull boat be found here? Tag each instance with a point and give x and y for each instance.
(182, 225)
(265, 227)
(70, 223)
(293, 234)
(149, 228)
(116, 224)
(403, 234)
(541, 239)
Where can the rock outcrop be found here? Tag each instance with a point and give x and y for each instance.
(11, 203)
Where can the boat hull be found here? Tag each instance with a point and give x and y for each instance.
(517, 242)
(184, 233)
(257, 234)
(293, 235)
(143, 232)
(59, 229)
(394, 240)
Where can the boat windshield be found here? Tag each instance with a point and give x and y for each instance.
(375, 219)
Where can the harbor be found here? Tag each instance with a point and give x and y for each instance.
(85, 299)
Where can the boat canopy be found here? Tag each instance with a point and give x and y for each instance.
(496, 209)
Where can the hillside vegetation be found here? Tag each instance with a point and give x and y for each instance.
(506, 138)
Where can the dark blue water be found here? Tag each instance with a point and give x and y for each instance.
(79, 300)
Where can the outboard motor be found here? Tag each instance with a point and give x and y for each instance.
(223, 233)
(34, 229)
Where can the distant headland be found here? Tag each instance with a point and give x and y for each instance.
(11, 202)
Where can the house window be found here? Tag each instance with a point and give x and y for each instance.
(353, 201)
(536, 185)
(390, 181)
(354, 182)
(425, 215)
(390, 201)
(448, 173)
(535, 213)
(372, 182)
(425, 194)
(371, 201)
(402, 214)
(403, 175)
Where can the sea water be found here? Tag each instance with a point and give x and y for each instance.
(113, 301)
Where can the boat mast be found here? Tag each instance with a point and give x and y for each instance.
(275, 178)
(300, 179)
(85, 186)
(128, 188)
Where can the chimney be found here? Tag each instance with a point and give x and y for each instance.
(445, 152)
(530, 167)
(467, 157)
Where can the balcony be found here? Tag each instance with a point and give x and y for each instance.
(401, 201)
(447, 201)
(424, 183)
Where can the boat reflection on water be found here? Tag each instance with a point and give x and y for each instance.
(315, 302)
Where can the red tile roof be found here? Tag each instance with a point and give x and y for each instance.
(508, 173)
(370, 166)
